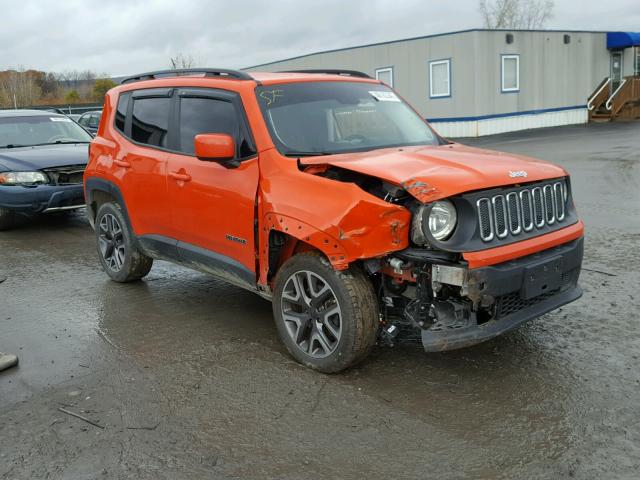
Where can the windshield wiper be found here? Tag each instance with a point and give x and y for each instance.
(57, 142)
(13, 145)
(306, 154)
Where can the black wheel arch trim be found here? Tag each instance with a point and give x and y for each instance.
(100, 184)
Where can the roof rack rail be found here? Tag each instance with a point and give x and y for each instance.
(207, 72)
(347, 73)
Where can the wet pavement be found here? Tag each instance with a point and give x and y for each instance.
(186, 378)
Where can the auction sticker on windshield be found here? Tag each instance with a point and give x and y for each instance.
(384, 96)
(60, 119)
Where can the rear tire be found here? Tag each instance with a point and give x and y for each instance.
(119, 255)
(327, 319)
(7, 219)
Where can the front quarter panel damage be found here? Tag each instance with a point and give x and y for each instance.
(340, 219)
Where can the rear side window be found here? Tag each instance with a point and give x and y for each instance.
(121, 110)
(150, 121)
(206, 115)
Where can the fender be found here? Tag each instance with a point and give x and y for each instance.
(95, 184)
(303, 232)
(342, 244)
(346, 225)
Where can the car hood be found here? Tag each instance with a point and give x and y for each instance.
(433, 172)
(45, 156)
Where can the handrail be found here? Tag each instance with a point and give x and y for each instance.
(605, 82)
(608, 104)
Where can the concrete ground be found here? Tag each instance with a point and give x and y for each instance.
(186, 379)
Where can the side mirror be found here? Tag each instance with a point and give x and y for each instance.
(217, 147)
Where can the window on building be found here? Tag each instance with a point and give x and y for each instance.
(150, 121)
(205, 115)
(636, 68)
(385, 75)
(510, 73)
(440, 78)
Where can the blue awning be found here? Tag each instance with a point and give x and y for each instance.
(622, 39)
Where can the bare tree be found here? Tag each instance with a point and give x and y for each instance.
(516, 14)
(182, 61)
(19, 88)
(80, 82)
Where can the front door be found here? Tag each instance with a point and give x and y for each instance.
(213, 204)
(616, 70)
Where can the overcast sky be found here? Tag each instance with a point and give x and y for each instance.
(127, 36)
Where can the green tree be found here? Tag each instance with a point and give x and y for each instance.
(72, 96)
(101, 87)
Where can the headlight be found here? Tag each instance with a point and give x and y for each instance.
(438, 219)
(23, 178)
(442, 219)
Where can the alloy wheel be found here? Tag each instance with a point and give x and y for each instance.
(111, 242)
(311, 314)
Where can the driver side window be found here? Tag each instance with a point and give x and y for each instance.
(205, 115)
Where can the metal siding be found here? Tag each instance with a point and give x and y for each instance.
(552, 74)
(491, 126)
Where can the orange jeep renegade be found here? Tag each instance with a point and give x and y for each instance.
(326, 193)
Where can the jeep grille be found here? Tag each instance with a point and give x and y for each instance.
(521, 210)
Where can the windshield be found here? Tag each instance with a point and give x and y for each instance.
(23, 131)
(316, 118)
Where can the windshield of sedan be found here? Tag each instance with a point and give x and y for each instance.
(26, 131)
(321, 118)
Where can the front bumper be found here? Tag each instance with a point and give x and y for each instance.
(42, 198)
(514, 292)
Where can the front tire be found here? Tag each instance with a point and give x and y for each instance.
(119, 255)
(7, 219)
(327, 319)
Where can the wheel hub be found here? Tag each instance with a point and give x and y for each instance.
(312, 314)
(111, 242)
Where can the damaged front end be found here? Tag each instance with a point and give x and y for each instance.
(453, 285)
(452, 306)
(435, 292)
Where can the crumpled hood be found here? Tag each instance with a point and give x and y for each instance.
(433, 172)
(45, 156)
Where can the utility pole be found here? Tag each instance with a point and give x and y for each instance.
(15, 104)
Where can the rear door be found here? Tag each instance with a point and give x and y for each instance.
(213, 204)
(142, 162)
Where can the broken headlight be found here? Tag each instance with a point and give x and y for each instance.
(439, 219)
(23, 178)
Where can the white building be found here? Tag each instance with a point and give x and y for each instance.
(480, 82)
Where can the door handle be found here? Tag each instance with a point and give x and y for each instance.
(122, 163)
(181, 177)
